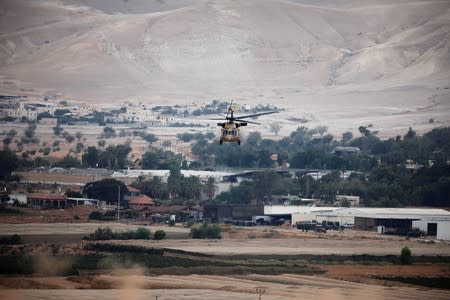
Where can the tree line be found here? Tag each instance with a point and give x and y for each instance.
(380, 173)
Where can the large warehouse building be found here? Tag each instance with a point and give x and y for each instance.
(434, 222)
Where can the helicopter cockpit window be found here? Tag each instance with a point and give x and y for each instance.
(234, 132)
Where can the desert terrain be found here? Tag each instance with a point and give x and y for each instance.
(341, 64)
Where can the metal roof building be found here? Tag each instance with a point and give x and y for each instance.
(398, 220)
(432, 221)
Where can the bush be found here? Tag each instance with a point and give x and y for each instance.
(96, 215)
(107, 234)
(125, 235)
(405, 256)
(102, 234)
(159, 235)
(206, 231)
(142, 234)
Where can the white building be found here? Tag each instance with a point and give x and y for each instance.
(443, 230)
(297, 213)
(19, 197)
(432, 221)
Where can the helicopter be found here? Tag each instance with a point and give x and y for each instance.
(230, 128)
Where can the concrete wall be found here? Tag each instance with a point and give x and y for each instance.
(443, 230)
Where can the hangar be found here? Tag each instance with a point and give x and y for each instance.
(434, 222)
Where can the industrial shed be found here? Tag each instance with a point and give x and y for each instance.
(389, 224)
(434, 222)
(47, 200)
(223, 212)
(364, 218)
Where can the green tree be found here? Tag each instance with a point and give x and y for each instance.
(108, 132)
(6, 142)
(191, 187)
(150, 138)
(8, 163)
(347, 136)
(79, 147)
(78, 135)
(105, 190)
(153, 188)
(68, 162)
(57, 130)
(115, 157)
(174, 182)
(90, 157)
(101, 143)
(254, 138)
(150, 160)
(210, 188)
(185, 137)
(11, 133)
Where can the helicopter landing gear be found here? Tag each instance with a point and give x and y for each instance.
(220, 142)
(239, 142)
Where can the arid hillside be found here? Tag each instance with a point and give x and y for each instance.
(326, 60)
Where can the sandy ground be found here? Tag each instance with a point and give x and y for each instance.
(241, 287)
(304, 246)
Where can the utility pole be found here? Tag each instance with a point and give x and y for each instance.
(118, 206)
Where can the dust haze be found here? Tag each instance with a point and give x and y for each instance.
(341, 64)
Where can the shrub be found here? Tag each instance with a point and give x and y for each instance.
(102, 234)
(142, 234)
(107, 234)
(96, 215)
(159, 235)
(206, 231)
(125, 235)
(405, 256)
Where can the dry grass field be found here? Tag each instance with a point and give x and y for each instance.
(345, 280)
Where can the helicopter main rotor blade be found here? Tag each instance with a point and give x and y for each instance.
(246, 121)
(255, 115)
(222, 117)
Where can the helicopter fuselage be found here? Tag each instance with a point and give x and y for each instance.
(230, 132)
(230, 128)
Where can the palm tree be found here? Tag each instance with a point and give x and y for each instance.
(210, 188)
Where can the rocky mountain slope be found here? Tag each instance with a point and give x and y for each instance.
(282, 51)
